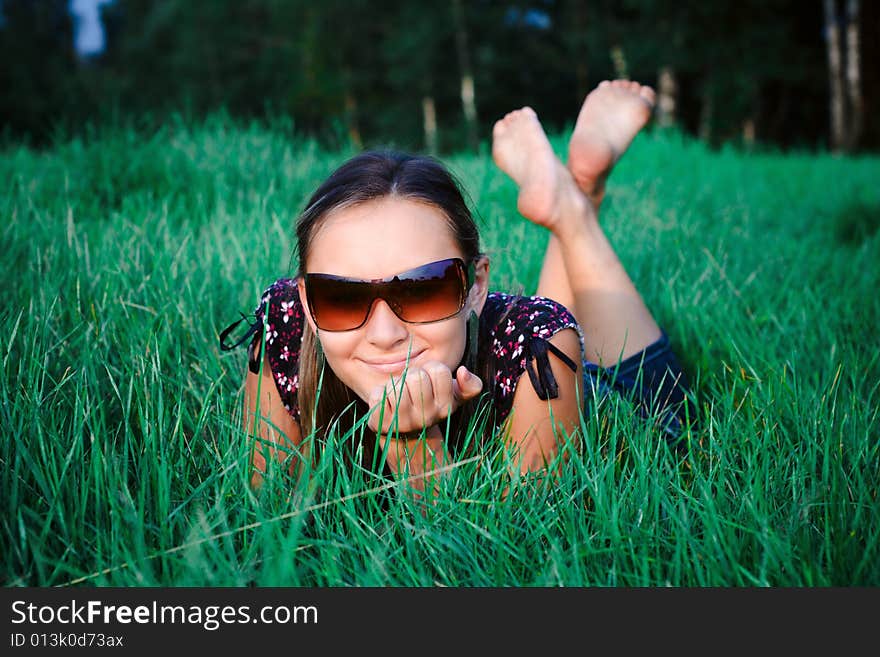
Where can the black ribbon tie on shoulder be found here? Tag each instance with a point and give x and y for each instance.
(543, 380)
(252, 328)
(253, 361)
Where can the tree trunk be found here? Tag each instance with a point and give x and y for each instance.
(667, 95)
(855, 120)
(429, 122)
(618, 59)
(351, 112)
(707, 111)
(748, 132)
(835, 75)
(468, 101)
(578, 49)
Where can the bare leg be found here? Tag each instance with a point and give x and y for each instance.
(589, 278)
(611, 116)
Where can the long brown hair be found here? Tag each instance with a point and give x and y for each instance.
(365, 177)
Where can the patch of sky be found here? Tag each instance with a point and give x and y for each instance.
(532, 17)
(88, 30)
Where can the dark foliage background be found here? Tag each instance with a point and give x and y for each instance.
(360, 70)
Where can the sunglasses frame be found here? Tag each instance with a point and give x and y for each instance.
(467, 274)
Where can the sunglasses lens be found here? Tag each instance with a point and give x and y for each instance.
(338, 304)
(430, 293)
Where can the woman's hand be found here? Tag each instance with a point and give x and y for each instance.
(427, 395)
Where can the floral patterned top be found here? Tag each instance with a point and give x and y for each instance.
(510, 324)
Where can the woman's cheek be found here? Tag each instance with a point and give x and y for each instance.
(338, 356)
(451, 343)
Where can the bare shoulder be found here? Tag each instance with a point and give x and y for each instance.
(569, 342)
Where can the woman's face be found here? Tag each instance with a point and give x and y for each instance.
(374, 240)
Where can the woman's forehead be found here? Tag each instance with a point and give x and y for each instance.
(380, 238)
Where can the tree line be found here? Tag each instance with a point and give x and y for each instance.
(434, 75)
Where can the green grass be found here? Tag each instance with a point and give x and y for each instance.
(123, 461)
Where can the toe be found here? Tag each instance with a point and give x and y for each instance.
(648, 94)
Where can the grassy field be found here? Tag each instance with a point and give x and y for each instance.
(123, 461)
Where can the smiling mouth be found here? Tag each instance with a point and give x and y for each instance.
(391, 366)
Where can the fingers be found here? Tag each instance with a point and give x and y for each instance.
(405, 404)
(425, 396)
(441, 386)
(417, 397)
(379, 412)
(467, 385)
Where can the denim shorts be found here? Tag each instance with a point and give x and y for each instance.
(652, 379)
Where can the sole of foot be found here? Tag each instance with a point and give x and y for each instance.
(521, 149)
(610, 118)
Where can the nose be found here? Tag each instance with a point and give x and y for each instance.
(384, 329)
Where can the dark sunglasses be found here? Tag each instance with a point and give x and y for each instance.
(429, 293)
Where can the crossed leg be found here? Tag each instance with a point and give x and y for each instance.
(581, 269)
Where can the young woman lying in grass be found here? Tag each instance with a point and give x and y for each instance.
(390, 318)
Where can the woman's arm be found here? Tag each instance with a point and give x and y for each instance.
(537, 428)
(274, 432)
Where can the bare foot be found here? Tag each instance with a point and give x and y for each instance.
(547, 191)
(610, 118)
